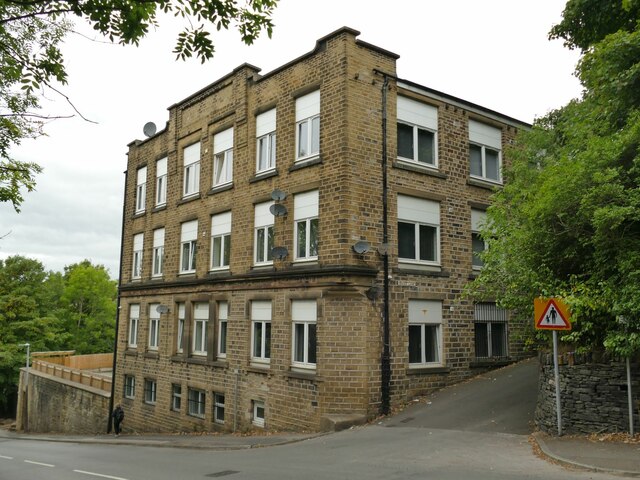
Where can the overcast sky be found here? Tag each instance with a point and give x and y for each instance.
(494, 53)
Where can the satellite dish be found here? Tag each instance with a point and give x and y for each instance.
(162, 309)
(278, 210)
(279, 252)
(361, 247)
(149, 129)
(278, 195)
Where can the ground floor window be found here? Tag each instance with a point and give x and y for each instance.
(218, 407)
(258, 413)
(197, 401)
(150, 391)
(425, 333)
(176, 397)
(129, 386)
(490, 329)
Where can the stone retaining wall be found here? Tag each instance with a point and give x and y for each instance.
(593, 394)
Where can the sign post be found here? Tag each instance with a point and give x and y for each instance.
(553, 314)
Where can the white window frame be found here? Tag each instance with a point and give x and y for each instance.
(134, 320)
(138, 251)
(257, 419)
(191, 180)
(154, 326)
(266, 136)
(141, 190)
(220, 241)
(129, 386)
(218, 407)
(161, 182)
(419, 212)
(308, 121)
(200, 328)
(426, 313)
(418, 116)
(199, 403)
(223, 325)
(181, 308)
(157, 267)
(485, 137)
(150, 391)
(263, 224)
(223, 158)
(478, 219)
(176, 397)
(261, 323)
(306, 208)
(304, 314)
(188, 246)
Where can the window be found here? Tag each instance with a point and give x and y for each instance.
(425, 335)
(191, 155)
(485, 151)
(306, 225)
(176, 397)
(223, 315)
(150, 389)
(154, 326)
(223, 158)
(129, 386)
(134, 318)
(417, 132)
(303, 316)
(261, 331)
(188, 238)
(218, 407)
(490, 328)
(258, 413)
(220, 240)
(161, 182)
(266, 141)
(157, 266)
(200, 322)
(418, 230)
(138, 242)
(478, 245)
(263, 225)
(141, 189)
(197, 400)
(308, 125)
(180, 329)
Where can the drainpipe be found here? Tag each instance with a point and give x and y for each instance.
(115, 342)
(385, 361)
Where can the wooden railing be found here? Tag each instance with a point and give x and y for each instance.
(78, 375)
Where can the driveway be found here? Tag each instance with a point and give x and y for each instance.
(500, 401)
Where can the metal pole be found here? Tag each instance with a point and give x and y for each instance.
(557, 378)
(630, 397)
(386, 351)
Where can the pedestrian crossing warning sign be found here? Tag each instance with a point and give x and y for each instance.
(551, 314)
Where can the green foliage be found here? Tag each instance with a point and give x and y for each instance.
(51, 311)
(567, 222)
(31, 61)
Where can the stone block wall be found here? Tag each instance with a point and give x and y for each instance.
(593, 394)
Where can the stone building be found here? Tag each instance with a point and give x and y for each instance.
(256, 240)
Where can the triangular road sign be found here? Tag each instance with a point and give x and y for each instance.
(551, 314)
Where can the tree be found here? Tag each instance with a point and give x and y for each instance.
(567, 222)
(31, 61)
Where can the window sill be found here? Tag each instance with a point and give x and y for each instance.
(222, 273)
(419, 168)
(307, 162)
(152, 355)
(190, 198)
(178, 357)
(488, 184)
(299, 374)
(437, 369)
(197, 360)
(263, 369)
(262, 267)
(131, 351)
(159, 208)
(139, 214)
(220, 188)
(417, 269)
(303, 262)
(191, 273)
(264, 175)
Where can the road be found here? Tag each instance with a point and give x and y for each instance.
(455, 437)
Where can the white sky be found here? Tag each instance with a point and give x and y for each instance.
(494, 53)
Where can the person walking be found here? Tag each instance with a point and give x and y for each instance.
(118, 417)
